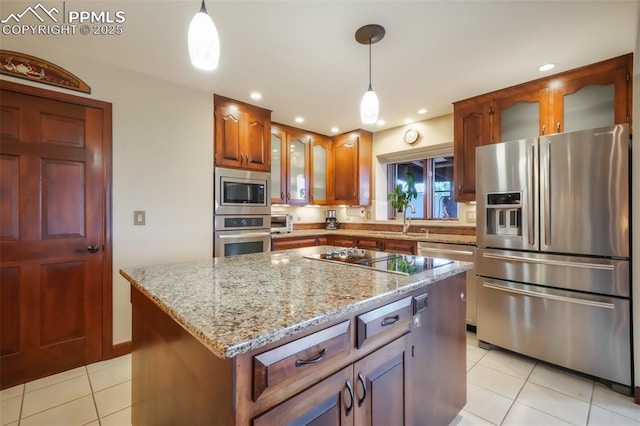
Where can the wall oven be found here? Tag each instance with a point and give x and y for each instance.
(241, 234)
(241, 192)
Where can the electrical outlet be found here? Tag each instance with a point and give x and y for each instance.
(139, 217)
(471, 216)
(368, 215)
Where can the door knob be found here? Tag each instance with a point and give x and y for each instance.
(93, 248)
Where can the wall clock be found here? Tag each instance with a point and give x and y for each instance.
(411, 136)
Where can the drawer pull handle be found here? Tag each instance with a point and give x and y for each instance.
(316, 359)
(350, 407)
(390, 320)
(364, 390)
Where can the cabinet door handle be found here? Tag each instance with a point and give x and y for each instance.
(544, 128)
(364, 390)
(288, 195)
(282, 196)
(350, 407)
(316, 359)
(558, 127)
(390, 320)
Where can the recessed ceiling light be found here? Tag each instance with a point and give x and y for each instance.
(299, 120)
(380, 123)
(256, 95)
(422, 111)
(546, 67)
(408, 121)
(334, 130)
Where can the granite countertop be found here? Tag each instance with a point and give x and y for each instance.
(432, 238)
(239, 303)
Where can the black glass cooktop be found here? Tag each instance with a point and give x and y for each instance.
(403, 264)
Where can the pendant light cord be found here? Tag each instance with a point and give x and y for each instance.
(370, 88)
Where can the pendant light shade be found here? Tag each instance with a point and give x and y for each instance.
(204, 44)
(369, 106)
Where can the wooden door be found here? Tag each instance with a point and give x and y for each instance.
(471, 129)
(328, 403)
(381, 383)
(345, 169)
(53, 183)
(257, 142)
(228, 139)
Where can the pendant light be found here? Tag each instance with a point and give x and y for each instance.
(204, 44)
(369, 106)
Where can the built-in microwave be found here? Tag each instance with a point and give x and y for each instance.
(241, 192)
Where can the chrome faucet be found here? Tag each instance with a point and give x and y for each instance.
(405, 225)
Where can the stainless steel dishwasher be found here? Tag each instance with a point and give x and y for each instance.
(466, 253)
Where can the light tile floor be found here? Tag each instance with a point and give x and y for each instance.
(502, 389)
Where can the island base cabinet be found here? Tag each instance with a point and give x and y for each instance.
(373, 392)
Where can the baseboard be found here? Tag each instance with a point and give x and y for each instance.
(636, 395)
(120, 349)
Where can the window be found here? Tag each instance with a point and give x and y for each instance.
(433, 179)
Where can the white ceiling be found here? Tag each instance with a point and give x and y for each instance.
(302, 55)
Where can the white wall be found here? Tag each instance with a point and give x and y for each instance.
(434, 133)
(162, 163)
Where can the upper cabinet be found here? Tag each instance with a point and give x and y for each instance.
(242, 135)
(352, 168)
(320, 184)
(290, 165)
(596, 95)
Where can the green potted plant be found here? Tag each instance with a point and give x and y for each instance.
(401, 197)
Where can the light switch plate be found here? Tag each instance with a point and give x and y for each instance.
(139, 217)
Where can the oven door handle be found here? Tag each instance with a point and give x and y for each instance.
(549, 262)
(245, 235)
(549, 296)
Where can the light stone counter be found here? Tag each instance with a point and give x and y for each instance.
(432, 238)
(236, 304)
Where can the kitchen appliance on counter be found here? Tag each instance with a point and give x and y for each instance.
(330, 221)
(402, 264)
(553, 272)
(242, 212)
(281, 223)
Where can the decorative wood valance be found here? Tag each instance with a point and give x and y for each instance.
(29, 67)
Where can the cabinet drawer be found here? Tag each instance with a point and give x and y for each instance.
(383, 319)
(299, 357)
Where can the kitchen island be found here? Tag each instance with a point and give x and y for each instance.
(277, 338)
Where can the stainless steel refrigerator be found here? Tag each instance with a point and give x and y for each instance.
(553, 271)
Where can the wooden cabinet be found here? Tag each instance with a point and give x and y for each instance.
(399, 246)
(471, 128)
(290, 174)
(596, 95)
(297, 242)
(241, 135)
(380, 244)
(352, 162)
(320, 175)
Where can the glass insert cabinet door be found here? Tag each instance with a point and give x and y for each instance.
(319, 175)
(297, 191)
(277, 189)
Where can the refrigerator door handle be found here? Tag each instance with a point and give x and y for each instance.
(549, 296)
(530, 222)
(584, 265)
(547, 195)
